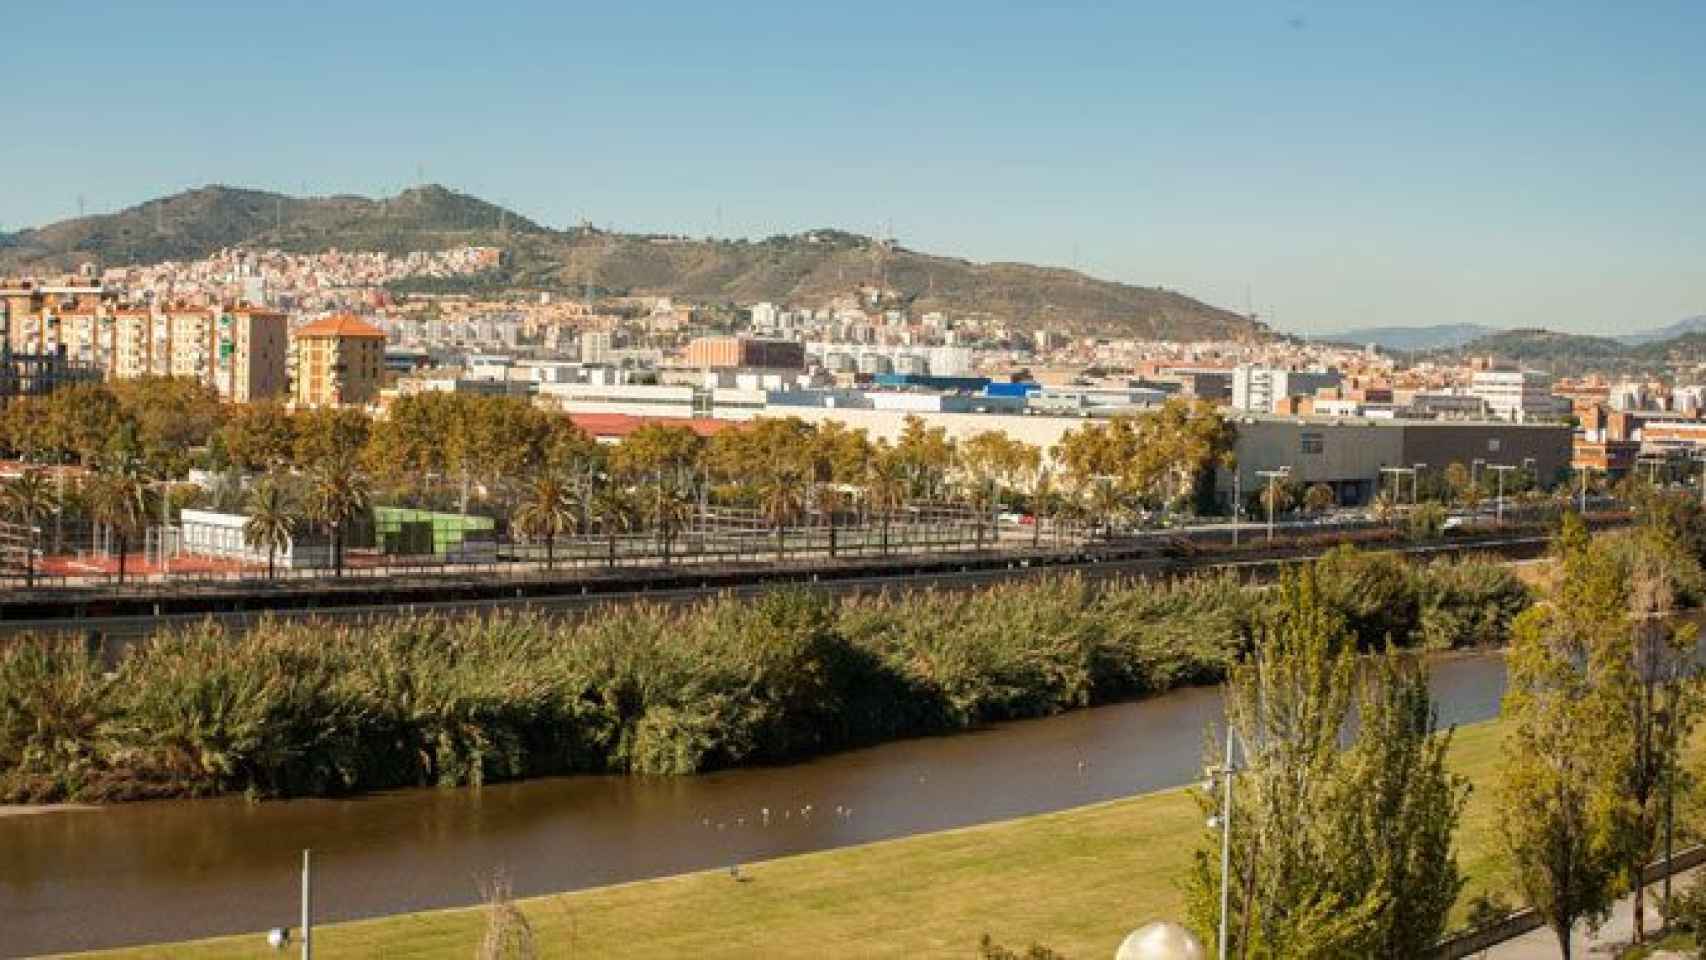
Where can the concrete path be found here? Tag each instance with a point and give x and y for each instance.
(1542, 945)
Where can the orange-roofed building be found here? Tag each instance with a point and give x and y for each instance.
(613, 427)
(336, 362)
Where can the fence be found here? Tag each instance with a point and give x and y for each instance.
(1472, 942)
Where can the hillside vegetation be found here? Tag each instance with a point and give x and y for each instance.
(806, 269)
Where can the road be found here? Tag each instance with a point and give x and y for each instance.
(117, 630)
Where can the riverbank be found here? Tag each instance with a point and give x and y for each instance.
(1077, 880)
(292, 710)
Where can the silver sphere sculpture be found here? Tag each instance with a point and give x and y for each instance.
(1161, 941)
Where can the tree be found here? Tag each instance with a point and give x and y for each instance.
(1319, 498)
(270, 523)
(990, 462)
(1661, 699)
(1042, 496)
(781, 497)
(337, 494)
(1426, 521)
(259, 436)
(330, 436)
(1104, 502)
(885, 488)
(655, 449)
(29, 498)
(1566, 820)
(925, 454)
(1385, 507)
(1336, 851)
(668, 507)
(548, 509)
(1457, 482)
(615, 512)
(117, 498)
(172, 417)
(1277, 495)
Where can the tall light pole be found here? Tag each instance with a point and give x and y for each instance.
(307, 912)
(1501, 469)
(1224, 774)
(1272, 476)
(1397, 487)
(1238, 500)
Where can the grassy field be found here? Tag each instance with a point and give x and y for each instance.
(1077, 880)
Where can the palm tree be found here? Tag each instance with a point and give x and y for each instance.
(29, 498)
(1042, 492)
(118, 500)
(885, 490)
(782, 498)
(669, 507)
(1104, 501)
(270, 523)
(830, 501)
(337, 494)
(549, 508)
(614, 512)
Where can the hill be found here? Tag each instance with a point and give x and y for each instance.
(1562, 354)
(196, 223)
(808, 268)
(1409, 339)
(1695, 324)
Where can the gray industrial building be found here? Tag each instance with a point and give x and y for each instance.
(1348, 453)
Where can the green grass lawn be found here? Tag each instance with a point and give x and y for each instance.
(1076, 880)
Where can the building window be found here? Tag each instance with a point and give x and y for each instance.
(1492, 444)
(1311, 443)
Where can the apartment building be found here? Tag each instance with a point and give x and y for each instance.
(251, 359)
(731, 352)
(336, 362)
(1259, 389)
(1515, 395)
(34, 310)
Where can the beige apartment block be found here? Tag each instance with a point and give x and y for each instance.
(337, 361)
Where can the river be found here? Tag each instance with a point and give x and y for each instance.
(172, 870)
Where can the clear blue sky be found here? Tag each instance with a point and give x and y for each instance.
(1503, 163)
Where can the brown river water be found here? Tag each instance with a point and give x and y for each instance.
(173, 870)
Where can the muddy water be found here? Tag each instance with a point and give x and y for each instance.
(178, 869)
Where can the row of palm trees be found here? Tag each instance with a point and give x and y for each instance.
(116, 498)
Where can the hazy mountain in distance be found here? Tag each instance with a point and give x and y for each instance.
(1694, 324)
(1410, 339)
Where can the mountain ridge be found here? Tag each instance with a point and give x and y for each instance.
(809, 268)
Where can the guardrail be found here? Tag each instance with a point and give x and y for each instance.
(1471, 942)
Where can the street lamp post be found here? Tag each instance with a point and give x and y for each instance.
(1238, 501)
(1224, 773)
(1501, 469)
(1397, 485)
(1272, 476)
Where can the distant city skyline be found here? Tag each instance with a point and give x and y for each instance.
(1333, 166)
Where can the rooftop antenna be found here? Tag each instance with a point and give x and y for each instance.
(81, 203)
(420, 174)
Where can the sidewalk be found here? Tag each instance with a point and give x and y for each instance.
(1542, 945)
